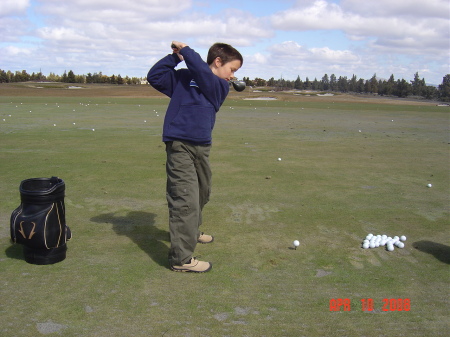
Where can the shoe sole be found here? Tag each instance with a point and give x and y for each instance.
(190, 270)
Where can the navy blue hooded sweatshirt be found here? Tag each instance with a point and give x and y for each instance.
(196, 95)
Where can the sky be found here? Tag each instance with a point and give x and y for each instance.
(277, 38)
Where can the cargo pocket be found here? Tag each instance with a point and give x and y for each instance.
(178, 198)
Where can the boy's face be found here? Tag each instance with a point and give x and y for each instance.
(227, 70)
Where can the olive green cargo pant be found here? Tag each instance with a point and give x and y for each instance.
(188, 190)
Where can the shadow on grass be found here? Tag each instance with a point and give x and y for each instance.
(140, 228)
(438, 250)
(15, 251)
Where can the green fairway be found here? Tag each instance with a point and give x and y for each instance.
(348, 168)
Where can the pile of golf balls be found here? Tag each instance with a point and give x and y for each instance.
(375, 241)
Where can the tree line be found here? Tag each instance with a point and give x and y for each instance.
(391, 87)
(67, 77)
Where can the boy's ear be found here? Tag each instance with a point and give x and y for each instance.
(218, 62)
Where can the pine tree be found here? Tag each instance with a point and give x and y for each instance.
(325, 82)
(417, 85)
(374, 84)
(71, 77)
(343, 84)
(352, 86)
(444, 89)
(333, 82)
(298, 83)
(307, 84)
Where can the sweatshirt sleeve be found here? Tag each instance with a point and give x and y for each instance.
(162, 76)
(214, 88)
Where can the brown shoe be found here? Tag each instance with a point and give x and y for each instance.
(205, 238)
(195, 266)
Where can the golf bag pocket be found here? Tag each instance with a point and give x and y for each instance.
(39, 223)
(39, 226)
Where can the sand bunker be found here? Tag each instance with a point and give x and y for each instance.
(261, 99)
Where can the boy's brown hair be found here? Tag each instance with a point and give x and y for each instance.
(226, 53)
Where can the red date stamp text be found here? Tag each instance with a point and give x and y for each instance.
(368, 304)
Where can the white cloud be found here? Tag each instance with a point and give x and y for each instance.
(319, 15)
(13, 51)
(295, 53)
(245, 25)
(333, 56)
(412, 8)
(12, 28)
(12, 23)
(61, 34)
(135, 24)
(113, 12)
(13, 56)
(293, 59)
(416, 26)
(127, 37)
(259, 58)
(13, 7)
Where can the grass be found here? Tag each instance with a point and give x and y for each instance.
(349, 166)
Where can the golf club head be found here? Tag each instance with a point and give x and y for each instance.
(238, 85)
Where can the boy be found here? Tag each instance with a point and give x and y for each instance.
(196, 95)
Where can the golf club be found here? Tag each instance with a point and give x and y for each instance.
(238, 85)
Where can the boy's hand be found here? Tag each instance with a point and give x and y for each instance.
(176, 47)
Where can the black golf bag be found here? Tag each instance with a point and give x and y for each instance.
(39, 223)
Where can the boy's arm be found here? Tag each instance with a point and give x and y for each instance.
(213, 87)
(162, 76)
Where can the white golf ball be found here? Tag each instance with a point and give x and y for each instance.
(403, 238)
(390, 248)
(93, 129)
(372, 244)
(429, 185)
(369, 236)
(296, 243)
(279, 159)
(365, 245)
(400, 244)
